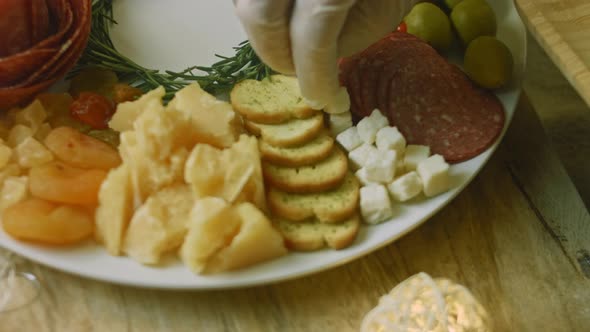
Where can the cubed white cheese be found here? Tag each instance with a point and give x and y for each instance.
(414, 155)
(379, 119)
(349, 139)
(389, 138)
(381, 166)
(434, 173)
(370, 125)
(405, 187)
(361, 175)
(400, 167)
(375, 204)
(340, 122)
(359, 156)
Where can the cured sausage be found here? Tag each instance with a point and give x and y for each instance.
(431, 101)
(57, 32)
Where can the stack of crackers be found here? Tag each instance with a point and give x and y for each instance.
(312, 195)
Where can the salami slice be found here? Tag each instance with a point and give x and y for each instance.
(10, 97)
(14, 27)
(18, 67)
(61, 13)
(40, 23)
(27, 73)
(430, 100)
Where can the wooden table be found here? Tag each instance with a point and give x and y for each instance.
(516, 237)
(562, 27)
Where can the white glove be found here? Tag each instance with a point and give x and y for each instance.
(306, 38)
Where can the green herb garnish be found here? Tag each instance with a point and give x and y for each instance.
(219, 78)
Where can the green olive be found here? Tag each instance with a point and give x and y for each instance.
(488, 62)
(429, 23)
(66, 120)
(452, 3)
(473, 18)
(108, 136)
(93, 80)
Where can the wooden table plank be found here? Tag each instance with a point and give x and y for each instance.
(490, 238)
(561, 27)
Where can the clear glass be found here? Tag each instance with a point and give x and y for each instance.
(17, 288)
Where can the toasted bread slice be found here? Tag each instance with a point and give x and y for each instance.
(328, 207)
(313, 235)
(312, 152)
(291, 133)
(272, 100)
(324, 175)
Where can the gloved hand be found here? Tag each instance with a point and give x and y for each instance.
(306, 38)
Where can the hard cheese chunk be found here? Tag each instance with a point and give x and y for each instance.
(212, 121)
(381, 167)
(159, 225)
(31, 153)
(340, 122)
(349, 139)
(32, 116)
(405, 187)
(128, 112)
(370, 125)
(434, 173)
(234, 174)
(414, 155)
(359, 156)
(375, 204)
(5, 154)
(148, 174)
(115, 207)
(224, 237)
(389, 138)
(14, 190)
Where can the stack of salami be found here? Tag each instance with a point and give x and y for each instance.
(431, 101)
(40, 41)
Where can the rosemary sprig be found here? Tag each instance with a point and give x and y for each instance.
(219, 78)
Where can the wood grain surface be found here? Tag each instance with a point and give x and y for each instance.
(513, 237)
(562, 27)
(563, 113)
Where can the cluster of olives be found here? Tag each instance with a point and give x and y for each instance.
(487, 61)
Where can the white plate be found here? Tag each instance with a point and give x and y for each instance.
(180, 33)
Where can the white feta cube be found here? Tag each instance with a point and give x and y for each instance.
(359, 156)
(400, 167)
(414, 155)
(434, 173)
(405, 187)
(349, 139)
(370, 125)
(340, 122)
(381, 166)
(361, 175)
(379, 119)
(389, 138)
(375, 204)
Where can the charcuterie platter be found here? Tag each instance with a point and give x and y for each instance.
(201, 188)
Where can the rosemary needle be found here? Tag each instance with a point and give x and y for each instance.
(216, 79)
